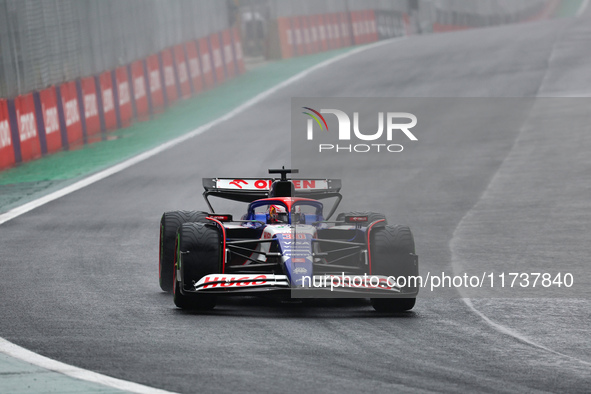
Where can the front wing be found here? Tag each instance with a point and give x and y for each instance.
(244, 283)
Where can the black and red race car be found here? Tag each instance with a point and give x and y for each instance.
(285, 245)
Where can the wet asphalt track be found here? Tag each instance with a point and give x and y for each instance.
(78, 277)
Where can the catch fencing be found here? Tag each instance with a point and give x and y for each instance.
(71, 70)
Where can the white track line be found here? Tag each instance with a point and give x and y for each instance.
(499, 327)
(21, 353)
(583, 7)
(454, 260)
(18, 352)
(508, 331)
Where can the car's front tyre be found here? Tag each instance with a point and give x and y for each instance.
(169, 224)
(393, 254)
(198, 254)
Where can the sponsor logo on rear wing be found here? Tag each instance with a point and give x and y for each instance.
(264, 184)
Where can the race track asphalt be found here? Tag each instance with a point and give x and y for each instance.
(79, 284)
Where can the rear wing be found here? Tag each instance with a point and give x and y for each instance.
(251, 189)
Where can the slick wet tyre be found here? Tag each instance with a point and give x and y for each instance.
(198, 253)
(169, 224)
(392, 254)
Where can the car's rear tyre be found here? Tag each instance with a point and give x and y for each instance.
(371, 216)
(390, 248)
(198, 254)
(169, 224)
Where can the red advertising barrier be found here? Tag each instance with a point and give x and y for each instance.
(140, 96)
(108, 98)
(372, 28)
(194, 66)
(285, 37)
(306, 28)
(314, 39)
(297, 33)
(182, 71)
(344, 27)
(216, 53)
(238, 51)
(322, 41)
(206, 63)
(336, 32)
(358, 27)
(7, 158)
(71, 113)
(228, 53)
(124, 96)
(91, 113)
(27, 126)
(329, 32)
(169, 78)
(154, 78)
(53, 136)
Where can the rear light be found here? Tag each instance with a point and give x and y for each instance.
(356, 219)
(221, 218)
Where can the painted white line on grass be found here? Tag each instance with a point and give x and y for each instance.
(23, 354)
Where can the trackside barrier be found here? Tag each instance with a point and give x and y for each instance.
(30, 146)
(69, 113)
(55, 118)
(108, 101)
(194, 67)
(73, 112)
(216, 54)
(91, 106)
(167, 67)
(228, 53)
(299, 39)
(181, 71)
(207, 68)
(345, 30)
(285, 37)
(306, 34)
(238, 53)
(323, 43)
(50, 119)
(370, 19)
(391, 24)
(7, 156)
(140, 95)
(155, 83)
(313, 33)
(336, 32)
(450, 20)
(123, 96)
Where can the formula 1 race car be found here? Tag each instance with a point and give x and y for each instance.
(285, 246)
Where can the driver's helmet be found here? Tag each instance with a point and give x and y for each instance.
(277, 214)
